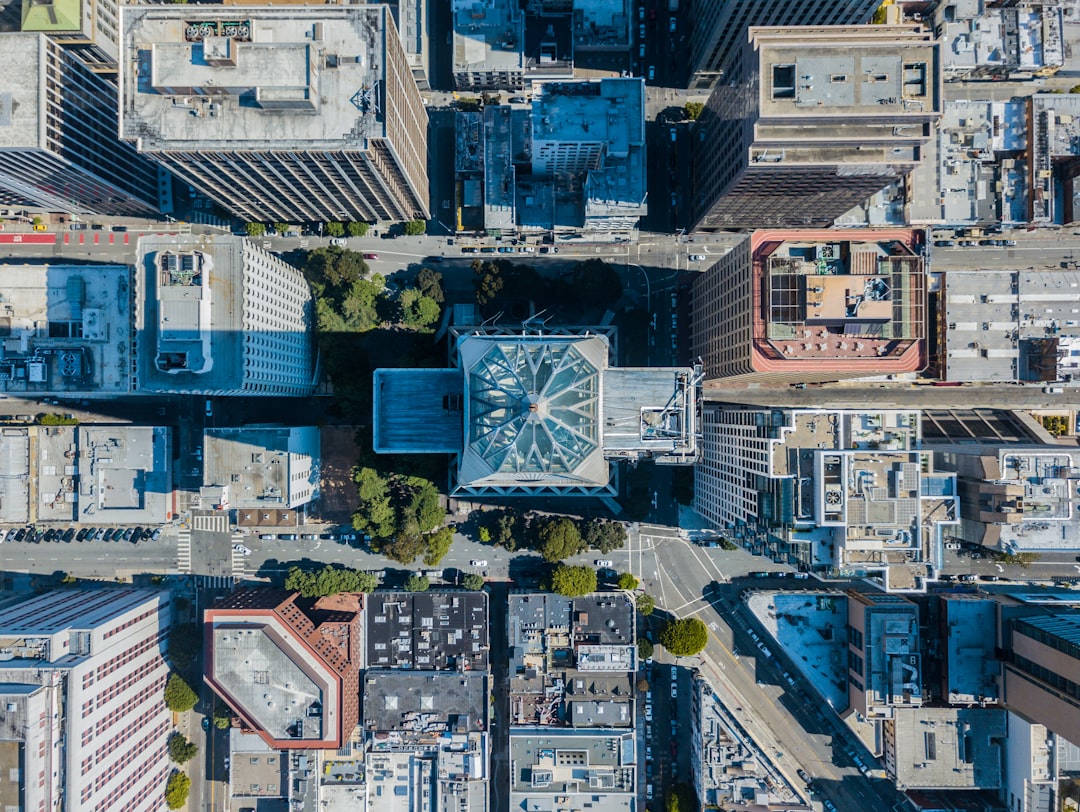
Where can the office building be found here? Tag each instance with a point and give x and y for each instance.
(572, 661)
(291, 114)
(1009, 326)
(808, 306)
(219, 315)
(85, 725)
(1042, 664)
(567, 769)
(827, 490)
(264, 467)
(89, 474)
(968, 633)
(884, 661)
(1034, 763)
(69, 330)
(288, 667)
(427, 739)
(58, 137)
(424, 631)
(536, 413)
(720, 27)
(1015, 498)
(88, 29)
(945, 748)
(726, 765)
(571, 162)
(871, 96)
(1018, 41)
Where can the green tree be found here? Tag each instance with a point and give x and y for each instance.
(484, 535)
(429, 283)
(418, 310)
(359, 229)
(181, 751)
(487, 280)
(603, 534)
(375, 513)
(627, 581)
(438, 545)
(404, 547)
(558, 538)
(1023, 560)
(693, 109)
(176, 789)
(414, 228)
(684, 637)
(644, 648)
(179, 696)
(37, 221)
(572, 582)
(330, 580)
(417, 583)
(185, 645)
(222, 717)
(681, 798)
(281, 228)
(255, 229)
(56, 420)
(473, 581)
(507, 527)
(645, 604)
(335, 229)
(422, 504)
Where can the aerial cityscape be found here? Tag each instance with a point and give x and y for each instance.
(540, 406)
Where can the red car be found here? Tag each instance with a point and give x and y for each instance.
(371, 256)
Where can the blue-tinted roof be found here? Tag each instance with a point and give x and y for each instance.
(533, 407)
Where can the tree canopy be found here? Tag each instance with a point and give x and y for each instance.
(335, 229)
(572, 582)
(414, 228)
(645, 604)
(255, 229)
(330, 580)
(438, 545)
(627, 580)
(473, 581)
(357, 229)
(176, 789)
(179, 696)
(557, 538)
(603, 535)
(222, 716)
(644, 648)
(684, 637)
(181, 751)
(693, 109)
(417, 583)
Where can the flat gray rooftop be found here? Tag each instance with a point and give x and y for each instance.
(21, 91)
(294, 77)
(260, 465)
(425, 703)
(949, 748)
(419, 411)
(428, 630)
(553, 764)
(971, 668)
(272, 681)
(124, 474)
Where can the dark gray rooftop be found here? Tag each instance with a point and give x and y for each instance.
(428, 630)
(425, 702)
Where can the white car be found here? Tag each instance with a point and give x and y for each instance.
(240, 548)
(698, 257)
(648, 791)
(648, 713)
(602, 562)
(674, 689)
(339, 242)
(476, 562)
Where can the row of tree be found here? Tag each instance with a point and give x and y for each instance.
(403, 515)
(556, 538)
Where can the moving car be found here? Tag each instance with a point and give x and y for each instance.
(371, 256)
(698, 257)
(40, 227)
(672, 25)
(340, 242)
(240, 548)
(477, 562)
(602, 562)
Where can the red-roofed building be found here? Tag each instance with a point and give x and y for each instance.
(288, 667)
(811, 306)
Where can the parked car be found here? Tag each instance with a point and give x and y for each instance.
(674, 690)
(1009, 242)
(40, 227)
(287, 536)
(952, 545)
(78, 226)
(69, 534)
(267, 536)
(672, 25)
(308, 536)
(487, 249)
(109, 531)
(156, 534)
(468, 249)
(652, 72)
(944, 243)
(506, 250)
(82, 534)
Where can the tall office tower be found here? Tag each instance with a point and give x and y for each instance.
(884, 663)
(1015, 498)
(1042, 670)
(58, 144)
(83, 679)
(799, 306)
(221, 316)
(810, 122)
(712, 43)
(86, 28)
(278, 113)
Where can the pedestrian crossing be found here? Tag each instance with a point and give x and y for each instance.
(238, 564)
(213, 522)
(215, 581)
(183, 550)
